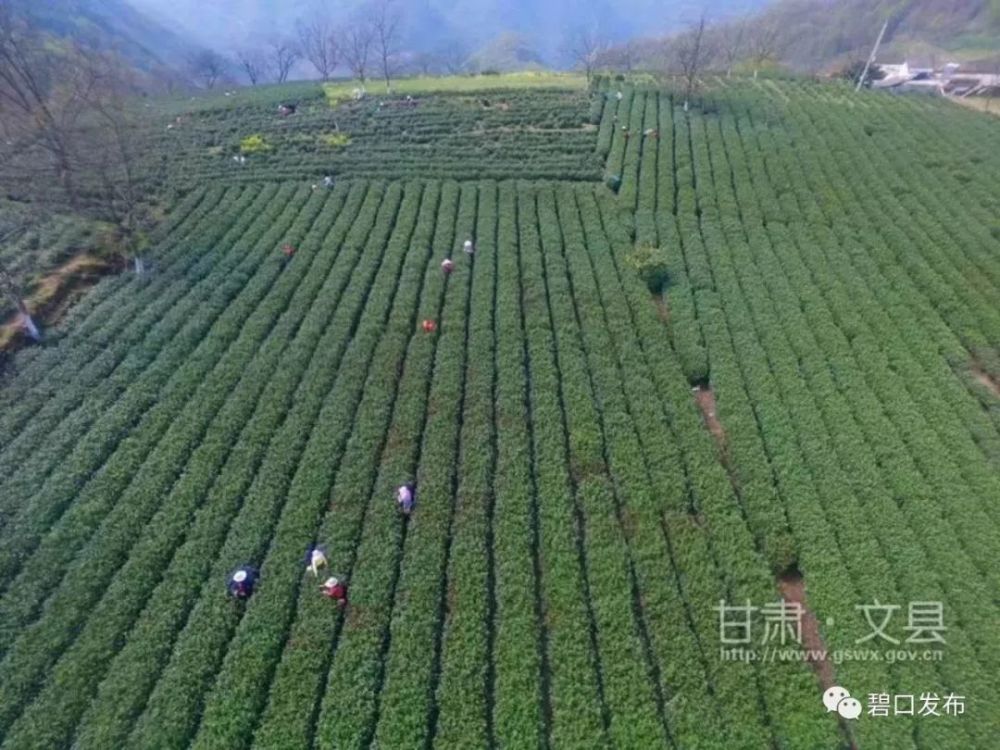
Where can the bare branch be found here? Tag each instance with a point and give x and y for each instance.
(385, 30)
(255, 65)
(763, 43)
(208, 67)
(454, 56)
(284, 54)
(586, 48)
(356, 49)
(622, 57)
(34, 108)
(732, 41)
(692, 53)
(318, 44)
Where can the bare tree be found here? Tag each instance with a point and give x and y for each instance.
(454, 56)
(110, 146)
(284, 54)
(93, 116)
(208, 67)
(623, 57)
(39, 101)
(318, 44)
(76, 104)
(357, 50)
(732, 42)
(255, 65)
(426, 63)
(385, 30)
(692, 54)
(763, 43)
(586, 47)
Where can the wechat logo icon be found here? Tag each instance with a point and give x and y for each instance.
(839, 700)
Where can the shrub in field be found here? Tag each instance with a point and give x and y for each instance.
(254, 144)
(336, 140)
(651, 263)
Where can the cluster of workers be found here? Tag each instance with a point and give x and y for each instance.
(447, 266)
(244, 579)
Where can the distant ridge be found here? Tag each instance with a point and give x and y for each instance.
(825, 33)
(114, 24)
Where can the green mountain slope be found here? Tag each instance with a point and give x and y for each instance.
(816, 34)
(114, 24)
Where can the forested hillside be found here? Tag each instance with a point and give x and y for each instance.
(818, 34)
(114, 25)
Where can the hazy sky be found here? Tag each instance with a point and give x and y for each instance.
(225, 24)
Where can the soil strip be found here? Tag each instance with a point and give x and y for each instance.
(704, 396)
(53, 295)
(984, 378)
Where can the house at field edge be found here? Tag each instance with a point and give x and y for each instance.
(953, 79)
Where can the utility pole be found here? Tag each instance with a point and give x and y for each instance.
(871, 57)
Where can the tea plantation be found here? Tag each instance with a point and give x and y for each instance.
(584, 535)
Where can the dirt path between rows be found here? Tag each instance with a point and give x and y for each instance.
(704, 396)
(792, 586)
(662, 308)
(984, 378)
(791, 583)
(793, 590)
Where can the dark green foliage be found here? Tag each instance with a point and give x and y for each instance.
(651, 264)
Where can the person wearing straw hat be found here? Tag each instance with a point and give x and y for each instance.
(468, 247)
(404, 498)
(335, 589)
(316, 560)
(242, 582)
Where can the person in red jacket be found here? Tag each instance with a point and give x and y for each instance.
(335, 589)
(429, 326)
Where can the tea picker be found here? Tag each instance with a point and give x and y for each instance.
(335, 589)
(242, 582)
(447, 265)
(316, 559)
(404, 498)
